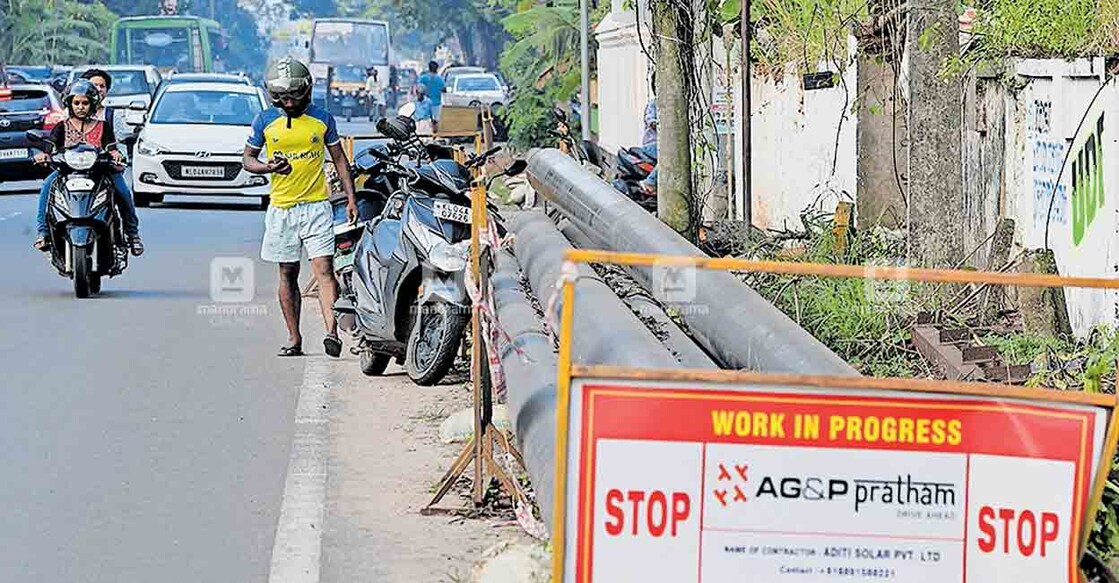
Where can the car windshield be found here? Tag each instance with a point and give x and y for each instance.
(206, 107)
(349, 74)
(32, 73)
(128, 83)
(22, 101)
(487, 83)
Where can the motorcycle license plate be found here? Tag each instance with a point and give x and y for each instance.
(452, 212)
(13, 154)
(203, 172)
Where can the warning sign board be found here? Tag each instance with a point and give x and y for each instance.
(713, 482)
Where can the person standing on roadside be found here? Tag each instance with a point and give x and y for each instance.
(435, 85)
(297, 135)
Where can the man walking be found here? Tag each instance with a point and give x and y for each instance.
(435, 86)
(297, 135)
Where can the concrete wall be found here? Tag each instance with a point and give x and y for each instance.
(623, 78)
(1082, 225)
(882, 145)
(803, 147)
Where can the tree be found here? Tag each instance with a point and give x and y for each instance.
(53, 31)
(137, 7)
(474, 23)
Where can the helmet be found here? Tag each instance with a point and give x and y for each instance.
(85, 89)
(288, 78)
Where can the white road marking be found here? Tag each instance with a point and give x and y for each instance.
(297, 550)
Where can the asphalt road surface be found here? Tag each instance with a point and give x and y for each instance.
(141, 438)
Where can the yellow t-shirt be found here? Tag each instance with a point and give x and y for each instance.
(302, 141)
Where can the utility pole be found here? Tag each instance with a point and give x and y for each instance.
(936, 197)
(585, 52)
(674, 151)
(747, 143)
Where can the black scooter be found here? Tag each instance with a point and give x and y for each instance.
(634, 166)
(408, 295)
(86, 236)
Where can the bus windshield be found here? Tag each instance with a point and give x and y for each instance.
(162, 47)
(364, 43)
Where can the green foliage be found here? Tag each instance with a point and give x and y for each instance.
(1040, 28)
(800, 32)
(53, 31)
(865, 323)
(543, 65)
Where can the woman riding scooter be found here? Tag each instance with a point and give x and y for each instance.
(82, 100)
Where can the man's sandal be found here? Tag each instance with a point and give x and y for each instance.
(332, 345)
(293, 350)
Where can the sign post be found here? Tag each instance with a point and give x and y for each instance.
(690, 476)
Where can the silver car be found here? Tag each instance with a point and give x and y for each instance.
(474, 90)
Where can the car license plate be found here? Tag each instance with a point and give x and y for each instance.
(452, 212)
(13, 154)
(203, 172)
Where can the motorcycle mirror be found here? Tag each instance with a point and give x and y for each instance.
(38, 137)
(517, 167)
(407, 110)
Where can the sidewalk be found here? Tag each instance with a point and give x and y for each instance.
(385, 459)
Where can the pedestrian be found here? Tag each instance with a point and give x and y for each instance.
(425, 125)
(435, 85)
(649, 139)
(296, 135)
(376, 93)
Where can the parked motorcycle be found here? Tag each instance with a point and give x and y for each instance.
(408, 295)
(86, 235)
(634, 166)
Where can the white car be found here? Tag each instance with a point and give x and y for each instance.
(474, 90)
(192, 141)
(130, 83)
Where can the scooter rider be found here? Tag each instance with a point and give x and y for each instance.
(82, 101)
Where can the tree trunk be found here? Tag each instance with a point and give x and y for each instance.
(674, 152)
(936, 198)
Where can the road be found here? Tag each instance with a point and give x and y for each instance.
(142, 440)
(145, 440)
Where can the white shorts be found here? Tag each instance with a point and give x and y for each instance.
(288, 230)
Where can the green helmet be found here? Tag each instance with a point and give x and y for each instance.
(288, 78)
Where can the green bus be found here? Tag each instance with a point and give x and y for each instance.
(170, 43)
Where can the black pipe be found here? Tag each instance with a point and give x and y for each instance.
(731, 321)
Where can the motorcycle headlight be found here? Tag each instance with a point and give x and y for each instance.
(83, 160)
(60, 202)
(149, 148)
(101, 198)
(423, 236)
(447, 257)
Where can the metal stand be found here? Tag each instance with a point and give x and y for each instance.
(487, 438)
